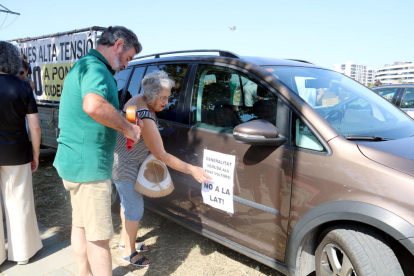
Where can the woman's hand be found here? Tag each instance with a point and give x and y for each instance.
(35, 163)
(199, 174)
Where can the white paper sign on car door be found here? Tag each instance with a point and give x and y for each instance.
(219, 192)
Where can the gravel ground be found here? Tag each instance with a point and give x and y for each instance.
(175, 250)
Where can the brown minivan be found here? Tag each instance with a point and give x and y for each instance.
(321, 168)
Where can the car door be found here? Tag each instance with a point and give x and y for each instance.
(169, 124)
(221, 98)
(122, 80)
(407, 101)
(392, 94)
(134, 83)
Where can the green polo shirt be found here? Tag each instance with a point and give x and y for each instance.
(86, 148)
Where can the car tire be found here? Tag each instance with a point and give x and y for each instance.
(354, 250)
(115, 199)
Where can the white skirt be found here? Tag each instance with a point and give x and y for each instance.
(22, 229)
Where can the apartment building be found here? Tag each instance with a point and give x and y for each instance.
(399, 72)
(361, 73)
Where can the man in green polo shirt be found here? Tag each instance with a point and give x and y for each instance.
(88, 122)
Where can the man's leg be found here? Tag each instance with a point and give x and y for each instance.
(99, 257)
(92, 220)
(98, 225)
(79, 249)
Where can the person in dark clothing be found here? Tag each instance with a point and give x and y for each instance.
(18, 158)
(24, 71)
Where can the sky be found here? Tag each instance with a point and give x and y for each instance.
(324, 32)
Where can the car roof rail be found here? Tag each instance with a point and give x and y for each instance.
(222, 53)
(301, 60)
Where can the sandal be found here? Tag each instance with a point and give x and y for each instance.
(139, 247)
(137, 263)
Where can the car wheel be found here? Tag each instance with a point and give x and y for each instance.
(350, 250)
(115, 200)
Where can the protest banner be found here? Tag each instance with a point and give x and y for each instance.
(52, 58)
(219, 192)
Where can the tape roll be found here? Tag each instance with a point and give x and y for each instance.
(131, 113)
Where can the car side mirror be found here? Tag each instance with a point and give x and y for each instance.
(258, 133)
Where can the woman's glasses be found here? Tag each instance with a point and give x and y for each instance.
(165, 98)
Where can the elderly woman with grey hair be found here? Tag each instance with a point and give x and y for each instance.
(19, 157)
(157, 90)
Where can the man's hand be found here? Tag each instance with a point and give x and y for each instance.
(104, 113)
(133, 133)
(35, 163)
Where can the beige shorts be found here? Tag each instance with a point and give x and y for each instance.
(91, 208)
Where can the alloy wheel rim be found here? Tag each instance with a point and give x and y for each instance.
(335, 262)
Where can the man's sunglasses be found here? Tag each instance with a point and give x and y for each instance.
(21, 72)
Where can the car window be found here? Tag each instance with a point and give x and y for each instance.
(224, 98)
(387, 93)
(177, 73)
(348, 106)
(304, 138)
(135, 83)
(408, 98)
(121, 80)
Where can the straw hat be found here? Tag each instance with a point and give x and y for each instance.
(153, 179)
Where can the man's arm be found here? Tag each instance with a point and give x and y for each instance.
(35, 136)
(104, 113)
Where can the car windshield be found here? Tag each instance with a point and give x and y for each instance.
(353, 110)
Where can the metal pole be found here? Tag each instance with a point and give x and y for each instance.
(94, 28)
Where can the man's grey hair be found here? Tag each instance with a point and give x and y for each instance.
(112, 34)
(10, 60)
(154, 82)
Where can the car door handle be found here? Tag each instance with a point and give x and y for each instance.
(189, 154)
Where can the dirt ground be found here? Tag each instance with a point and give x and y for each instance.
(175, 250)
